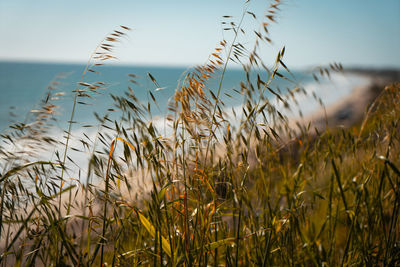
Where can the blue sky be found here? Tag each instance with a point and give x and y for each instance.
(178, 32)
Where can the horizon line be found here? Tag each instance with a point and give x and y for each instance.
(184, 66)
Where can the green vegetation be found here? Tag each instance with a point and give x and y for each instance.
(235, 190)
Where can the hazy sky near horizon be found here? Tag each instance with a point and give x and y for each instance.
(177, 32)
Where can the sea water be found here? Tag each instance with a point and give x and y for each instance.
(24, 85)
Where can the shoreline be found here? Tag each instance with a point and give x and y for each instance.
(351, 109)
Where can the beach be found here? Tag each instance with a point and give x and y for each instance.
(352, 108)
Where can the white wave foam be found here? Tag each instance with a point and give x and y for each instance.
(329, 91)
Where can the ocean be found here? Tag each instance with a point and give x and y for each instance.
(24, 85)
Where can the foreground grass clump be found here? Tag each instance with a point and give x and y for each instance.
(214, 188)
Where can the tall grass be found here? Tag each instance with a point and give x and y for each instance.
(215, 188)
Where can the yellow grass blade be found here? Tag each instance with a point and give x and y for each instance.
(150, 228)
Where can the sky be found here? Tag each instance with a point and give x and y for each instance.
(362, 33)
